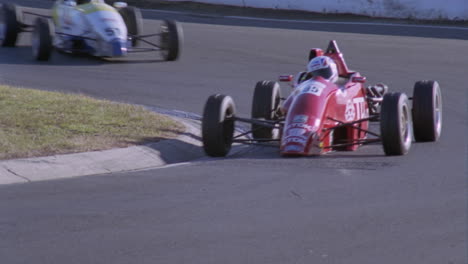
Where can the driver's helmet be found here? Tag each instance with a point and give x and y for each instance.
(323, 66)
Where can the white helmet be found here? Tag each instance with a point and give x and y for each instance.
(323, 66)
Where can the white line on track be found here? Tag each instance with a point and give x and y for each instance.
(314, 22)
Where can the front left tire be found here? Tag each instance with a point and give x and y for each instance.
(218, 125)
(10, 25)
(395, 124)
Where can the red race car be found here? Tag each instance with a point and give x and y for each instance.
(329, 109)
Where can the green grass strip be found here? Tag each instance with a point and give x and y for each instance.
(38, 123)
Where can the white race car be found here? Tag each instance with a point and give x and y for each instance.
(90, 27)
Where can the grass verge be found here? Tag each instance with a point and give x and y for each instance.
(38, 123)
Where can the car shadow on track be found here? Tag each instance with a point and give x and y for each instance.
(22, 55)
(255, 152)
(367, 160)
(260, 152)
(176, 150)
(130, 60)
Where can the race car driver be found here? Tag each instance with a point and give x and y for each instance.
(322, 66)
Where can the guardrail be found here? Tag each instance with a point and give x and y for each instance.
(414, 9)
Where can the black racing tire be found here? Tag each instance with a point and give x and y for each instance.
(265, 104)
(134, 22)
(218, 125)
(395, 124)
(10, 25)
(172, 37)
(42, 39)
(427, 111)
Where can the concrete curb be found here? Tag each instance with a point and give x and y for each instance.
(186, 147)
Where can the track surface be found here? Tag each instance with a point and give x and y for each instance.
(254, 207)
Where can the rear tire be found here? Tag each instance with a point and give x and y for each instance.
(218, 125)
(265, 104)
(134, 22)
(395, 124)
(10, 25)
(172, 37)
(427, 111)
(42, 39)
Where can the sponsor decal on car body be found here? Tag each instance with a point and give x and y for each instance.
(356, 109)
(300, 125)
(300, 119)
(315, 88)
(297, 140)
(296, 132)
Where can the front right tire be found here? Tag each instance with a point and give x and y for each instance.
(172, 37)
(134, 22)
(265, 104)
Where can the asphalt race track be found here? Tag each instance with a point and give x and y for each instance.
(252, 207)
